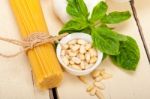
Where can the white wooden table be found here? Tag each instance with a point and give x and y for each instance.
(16, 77)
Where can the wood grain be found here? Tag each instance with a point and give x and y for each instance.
(142, 14)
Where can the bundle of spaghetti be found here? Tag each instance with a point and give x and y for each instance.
(46, 69)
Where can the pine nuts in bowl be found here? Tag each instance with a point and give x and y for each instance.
(77, 55)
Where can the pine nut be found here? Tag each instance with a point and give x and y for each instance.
(88, 46)
(99, 95)
(63, 52)
(70, 53)
(93, 52)
(65, 60)
(65, 46)
(76, 60)
(82, 65)
(95, 73)
(99, 78)
(93, 60)
(89, 88)
(82, 49)
(89, 65)
(71, 62)
(72, 42)
(67, 56)
(106, 76)
(83, 79)
(81, 42)
(75, 67)
(87, 57)
(81, 56)
(99, 85)
(93, 92)
(75, 47)
(102, 70)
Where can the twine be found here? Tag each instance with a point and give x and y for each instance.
(32, 41)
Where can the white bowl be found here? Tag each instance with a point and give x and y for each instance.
(70, 37)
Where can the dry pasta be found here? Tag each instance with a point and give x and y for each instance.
(45, 66)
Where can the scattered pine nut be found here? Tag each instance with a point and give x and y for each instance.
(96, 87)
(99, 85)
(95, 73)
(99, 78)
(89, 88)
(106, 76)
(99, 95)
(93, 91)
(102, 70)
(83, 79)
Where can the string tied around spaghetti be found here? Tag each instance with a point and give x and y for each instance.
(32, 41)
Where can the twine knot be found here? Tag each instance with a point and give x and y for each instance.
(32, 41)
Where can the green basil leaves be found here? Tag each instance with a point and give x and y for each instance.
(74, 25)
(116, 17)
(77, 8)
(99, 11)
(122, 49)
(106, 40)
(129, 54)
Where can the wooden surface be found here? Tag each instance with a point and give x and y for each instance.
(143, 14)
(16, 77)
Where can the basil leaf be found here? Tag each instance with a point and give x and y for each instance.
(109, 33)
(105, 44)
(99, 11)
(116, 17)
(129, 55)
(77, 8)
(74, 25)
(87, 30)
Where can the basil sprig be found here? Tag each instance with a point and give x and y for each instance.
(123, 50)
